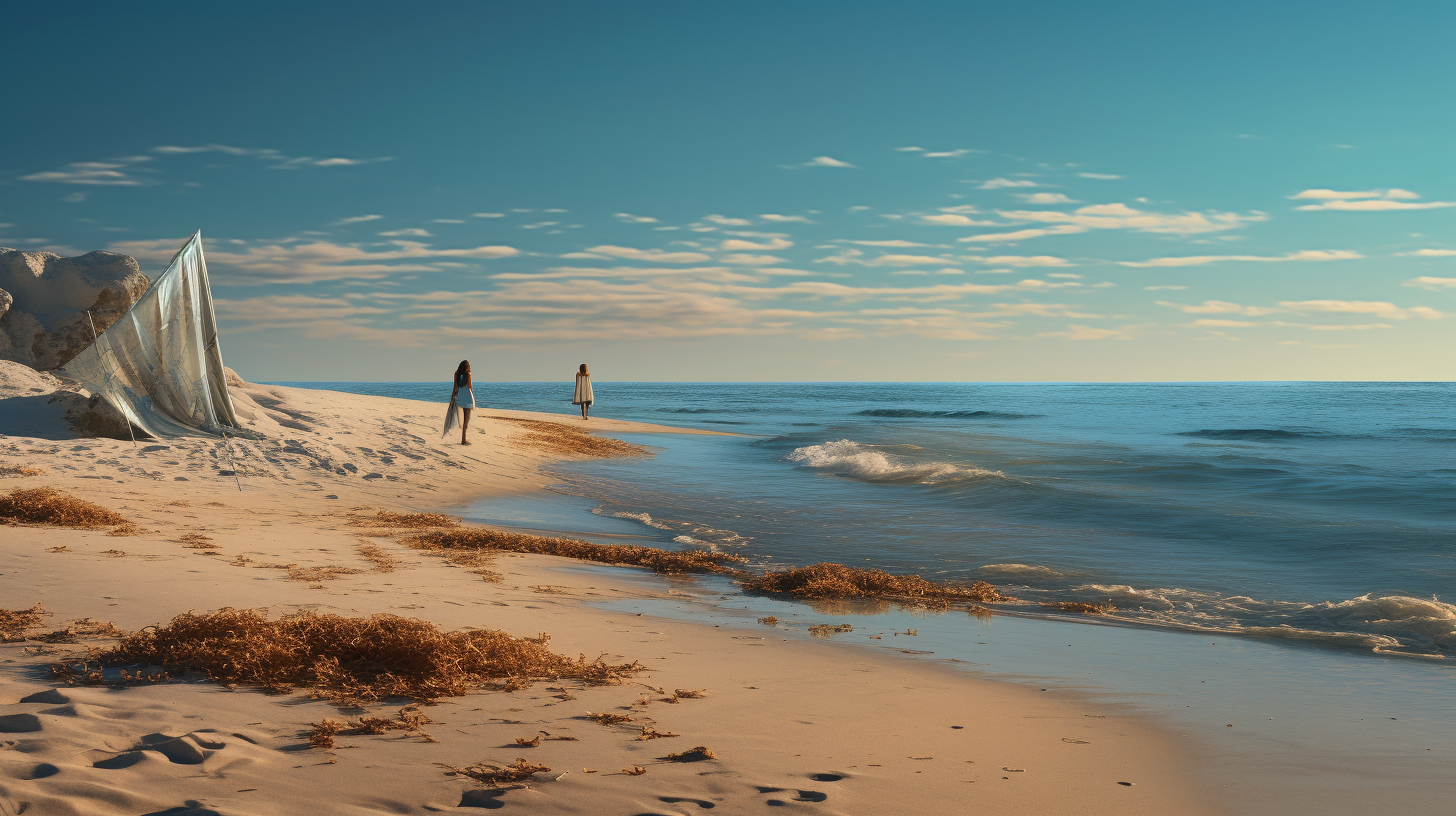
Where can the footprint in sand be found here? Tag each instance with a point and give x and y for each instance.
(28, 770)
(801, 795)
(19, 723)
(702, 803)
(189, 808)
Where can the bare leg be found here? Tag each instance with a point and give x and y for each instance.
(583, 409)
(464, 425)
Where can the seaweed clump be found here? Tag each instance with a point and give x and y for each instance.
(670, 561)
(15, 622)
(347, 660)
(836, 581)
(50, 507)
(1079, 607)
(554, 437)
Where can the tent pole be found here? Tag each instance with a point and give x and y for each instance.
(231, 460)
(96, 343)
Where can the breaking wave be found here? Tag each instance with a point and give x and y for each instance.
(864, 462)
(910, 413)
(1389, 624)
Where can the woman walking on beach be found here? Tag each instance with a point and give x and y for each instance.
(583, 395)
(465, 406)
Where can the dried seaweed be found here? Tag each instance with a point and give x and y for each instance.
(494, 775)
(824, 630)
(608, 718)
(830, 581)
(649, 733)
(14, 622)
(347, 660)
(483, 540)
(20, 470)
(697, 754)
(410, 720)
(769, 621)
(1075, 606)
(50, 507)
(196, 541)
(557, 438)
(378, 556)
(384, 518)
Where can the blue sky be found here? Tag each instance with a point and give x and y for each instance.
(763, 191)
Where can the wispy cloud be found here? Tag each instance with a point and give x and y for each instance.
(102, 174)
(775, 217)
(1367, 200)
(1383, 309)
(628, 218)
(1221, 307)
(308, 262)
(1427, 253)
(278, 160)
(357, 219)
(1005, 183)
(1432, 283)
(487, 215)
(1304, 256)
(1100, 176)
(1121, 216)
(649, 255)
(826, 161)
(773, 244)
(1075, 332)
(1023, 235)
(1045, 198)
(953, 220)
(410, 232)
(1022, 260)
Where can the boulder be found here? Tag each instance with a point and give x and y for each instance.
(44, 299)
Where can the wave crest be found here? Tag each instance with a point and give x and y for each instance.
(860, 461)
(911, 413)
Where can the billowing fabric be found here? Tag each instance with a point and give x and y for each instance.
(583, 390)
(160, 364)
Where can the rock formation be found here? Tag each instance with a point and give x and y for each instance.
(44, 299)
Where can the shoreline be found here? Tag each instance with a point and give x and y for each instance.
(284, 517)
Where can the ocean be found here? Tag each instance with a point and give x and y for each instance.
(1261, 550)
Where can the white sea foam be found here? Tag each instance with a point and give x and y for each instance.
(645, 518)
(860, 461)
(1023, 572)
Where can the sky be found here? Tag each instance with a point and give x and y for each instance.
(753, 191)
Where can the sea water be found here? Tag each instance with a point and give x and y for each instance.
(1307, 529)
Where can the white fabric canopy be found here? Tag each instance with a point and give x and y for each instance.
(160, 364)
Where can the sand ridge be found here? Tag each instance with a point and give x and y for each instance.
(817, 726)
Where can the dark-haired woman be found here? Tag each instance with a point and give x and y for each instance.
(583, 394)
(466, 405)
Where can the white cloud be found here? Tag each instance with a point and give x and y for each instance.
(1308, 255)
(1160, 288)
(447, 221)
(102, 174)
(1121, 216)
(1100, 176)
(300, 262)
(357, 219)
(1427, 253)
(487, 215)
(1223, 324)
(1045, 198)
(1003, 183)
(786, 218)
(911, 149)
(650, 255)
(1023, 235)
(738, 259)
(1221, 307)
(1367, 201)
(411, 232)
(771, 244)
(729, 222)
(1428, 282)
(948, 154)
(1023, 260)
(1075, 332)
(1393, 193)
(953, 220)
(635, 219)
(826, 161)
(894, 243)
(1383, 309)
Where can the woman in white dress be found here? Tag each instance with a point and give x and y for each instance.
(465, 402)
(583, 395)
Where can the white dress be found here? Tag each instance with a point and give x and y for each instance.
(583, 393)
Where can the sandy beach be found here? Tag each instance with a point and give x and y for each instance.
(820, 726)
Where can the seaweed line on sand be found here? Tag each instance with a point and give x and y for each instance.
(350, 661)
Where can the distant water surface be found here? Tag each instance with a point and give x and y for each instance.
(1316, 512)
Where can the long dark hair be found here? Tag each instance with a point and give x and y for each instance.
(582, 370)
(463, 370)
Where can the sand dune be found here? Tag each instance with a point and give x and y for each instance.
(812, 726)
